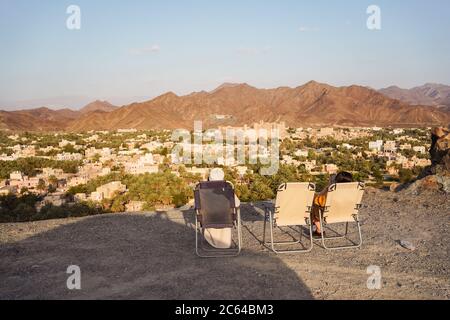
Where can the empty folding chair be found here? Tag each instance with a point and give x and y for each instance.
(215, 209)
(342, 206)
(292, 209)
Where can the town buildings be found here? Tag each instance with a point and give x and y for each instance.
(316, 152)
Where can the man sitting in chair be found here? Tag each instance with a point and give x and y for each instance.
(321, 198)
(219, 238)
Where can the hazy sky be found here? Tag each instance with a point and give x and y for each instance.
(133, 50)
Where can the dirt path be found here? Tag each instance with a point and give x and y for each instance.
(151, 256)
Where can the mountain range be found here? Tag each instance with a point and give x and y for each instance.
(312, 104)
(431, 94)
(103, 106)
(45, 119)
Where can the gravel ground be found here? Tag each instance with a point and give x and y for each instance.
(151, 256)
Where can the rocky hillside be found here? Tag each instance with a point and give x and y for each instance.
(137, 256)
(430, 94)
(41, 119)
(45, 119)
(102, 106)
(312, 104)
(436, 176)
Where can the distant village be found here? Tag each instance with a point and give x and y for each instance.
(386, 154)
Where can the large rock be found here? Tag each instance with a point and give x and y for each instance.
(436, 176)
(432, 183)
(440, 151)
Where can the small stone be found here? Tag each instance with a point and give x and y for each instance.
(407, 245)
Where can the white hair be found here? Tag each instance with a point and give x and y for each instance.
(216, 174)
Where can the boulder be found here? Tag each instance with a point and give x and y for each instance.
(436, 176)
(428, 183)
(440, 151)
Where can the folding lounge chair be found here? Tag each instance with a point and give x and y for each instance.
(292, 209)
(215, 208)
(342, 206)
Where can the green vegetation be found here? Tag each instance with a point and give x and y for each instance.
(254, 187)
(30, 166)
(18, 209)
(156, 189)
(165, 188)
(408, 175)
(23, 208)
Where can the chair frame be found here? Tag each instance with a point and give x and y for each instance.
(269, 213)
(323, 223)
(218, 253)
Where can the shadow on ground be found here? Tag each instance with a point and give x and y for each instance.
(140, 257)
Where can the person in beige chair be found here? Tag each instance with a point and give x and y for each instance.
(219, 238)
(321, 198)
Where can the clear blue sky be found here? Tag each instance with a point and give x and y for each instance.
(131, 50)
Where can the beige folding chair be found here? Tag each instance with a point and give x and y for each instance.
(292, 209)
(342, 206)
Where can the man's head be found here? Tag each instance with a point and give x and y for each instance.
(343, 177)
(216, 174)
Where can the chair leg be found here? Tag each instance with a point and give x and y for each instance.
(264, 227)
(295, 241)
(196, 237)
(354, 246)
(273, 243)
(340, 236)
(219, 253)
(239, 230)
